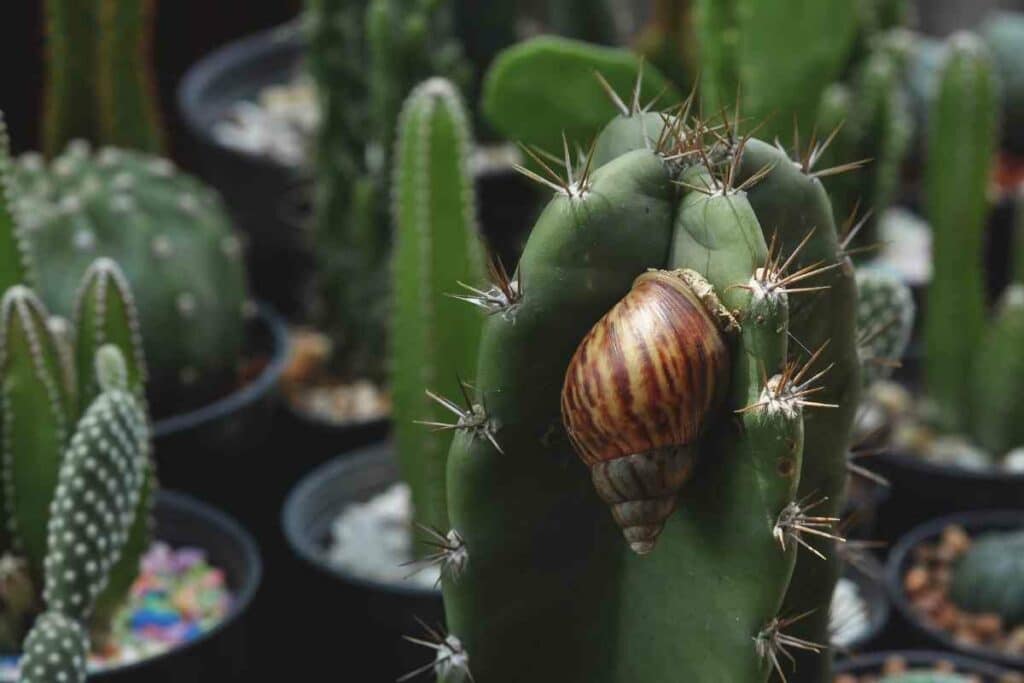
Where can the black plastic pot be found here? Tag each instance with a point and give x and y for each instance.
(871, 664)
(899, 562)
(260, 192)
(923, 490)
(219, 655)
(218, 452)
(366, 618)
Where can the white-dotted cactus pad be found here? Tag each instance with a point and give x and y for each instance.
(55, 651)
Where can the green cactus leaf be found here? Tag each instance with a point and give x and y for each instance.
(37, 418)
(538, 90)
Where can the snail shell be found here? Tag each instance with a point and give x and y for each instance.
(638, 392)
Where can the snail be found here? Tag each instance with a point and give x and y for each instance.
(638, 392)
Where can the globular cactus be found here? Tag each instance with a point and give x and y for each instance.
(779, 56)
(100, 84)
(434, 337)
(364, 58)
(750, 303)
(1003, 33)
(961, 142)
(885, 320)
(173, 239)
(989, 579)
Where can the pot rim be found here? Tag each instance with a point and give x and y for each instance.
(899, 557)
(309, 550)
(243, 396)
(191, 92)
(914, 657)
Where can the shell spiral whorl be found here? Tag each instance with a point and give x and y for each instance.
(638, 392)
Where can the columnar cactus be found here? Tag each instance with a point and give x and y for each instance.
(697, 386)
(171, 236)
(99, 82)
(434, 337)
(364, 58)
(961, 143)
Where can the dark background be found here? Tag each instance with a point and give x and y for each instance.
(185, 31)
(188, 29)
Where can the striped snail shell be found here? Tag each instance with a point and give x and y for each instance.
(638, 392)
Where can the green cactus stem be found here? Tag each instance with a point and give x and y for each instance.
(128, 115)
(997, 377)
(721, 575)
(15, 267)
(961, 143)
(55, 650)
(437, 245)
(72, 27)
(885, 320)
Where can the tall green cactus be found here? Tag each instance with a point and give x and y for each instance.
(961, 142)
(434, 337)
(717, 597)
(779, 56)
(14, 258)
(100, 81)
(364, 58)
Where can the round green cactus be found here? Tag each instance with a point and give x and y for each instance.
(173, 240)
(989, 579)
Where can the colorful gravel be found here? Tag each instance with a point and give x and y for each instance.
(177, 597)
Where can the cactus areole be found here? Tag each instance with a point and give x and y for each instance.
(683, 322)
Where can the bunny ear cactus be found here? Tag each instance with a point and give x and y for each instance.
(172, 237)
(94, 506)
(681, 390)
(100, 84)
(437, 245)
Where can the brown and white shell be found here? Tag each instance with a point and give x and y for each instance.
(639, 391)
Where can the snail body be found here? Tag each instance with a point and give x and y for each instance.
(639, 391)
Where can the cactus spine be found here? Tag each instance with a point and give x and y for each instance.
(720, 579)
(398, 42)
(436, 245)
(961, 142)
(100, 83)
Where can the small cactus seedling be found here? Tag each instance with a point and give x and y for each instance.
(172, 237)
(99, 80)
(437, 245)
(685, 325)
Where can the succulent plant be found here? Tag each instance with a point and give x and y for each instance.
(1003, 33)
(885, 320)
(437, 245)
(364, 58)
(683, 320)
(100, 84)
(173, 239)
(989, 579)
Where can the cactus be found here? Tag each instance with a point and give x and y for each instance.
(885, 319)
(100, 84)
(14, 258)
(171, 236)
(1003, 33)
(780, 56)
(45, 456)
(436, 244)
(872, 120)
(997, 377)
(364, 57)
(723, 576)
(988, 579)
(961, 143)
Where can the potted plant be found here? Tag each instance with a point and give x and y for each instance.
(955, 581)
(953, 437)
(214, 355)
(78, 571)
(919, 666)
